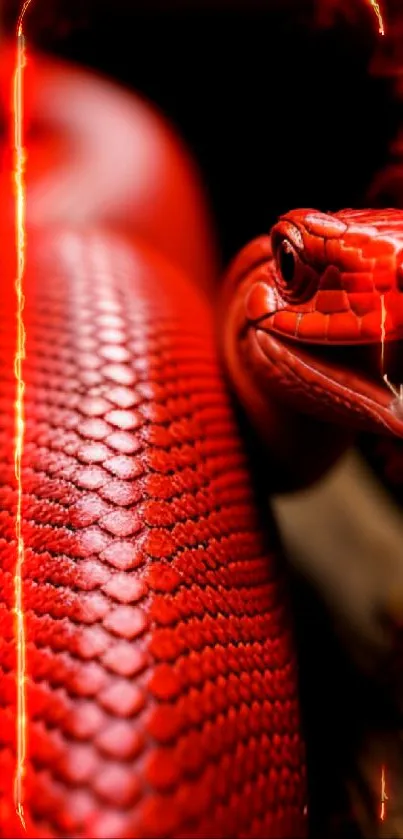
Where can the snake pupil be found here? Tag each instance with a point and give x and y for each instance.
(286, 262)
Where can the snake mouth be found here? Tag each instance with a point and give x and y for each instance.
(337, 382)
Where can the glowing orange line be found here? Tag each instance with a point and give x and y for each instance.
(19, 187)
(384, 797)
(377, 10)
(383, 331)
(397, 393)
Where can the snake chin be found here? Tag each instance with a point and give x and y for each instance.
(339, 383)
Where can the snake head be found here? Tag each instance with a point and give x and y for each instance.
(314, 316)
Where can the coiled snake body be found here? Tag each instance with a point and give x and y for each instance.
(161, 680)
(162, 693)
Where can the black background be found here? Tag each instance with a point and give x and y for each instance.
(278, 112)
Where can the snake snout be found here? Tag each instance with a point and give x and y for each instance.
(315, 320)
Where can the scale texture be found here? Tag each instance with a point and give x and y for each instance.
(161, 677)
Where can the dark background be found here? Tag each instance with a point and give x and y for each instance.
(278, 112)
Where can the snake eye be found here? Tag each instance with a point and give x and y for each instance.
(286, 259)
(295, 277)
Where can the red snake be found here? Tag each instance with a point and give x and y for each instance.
(162, 691)
(161, 675)
(295, 301)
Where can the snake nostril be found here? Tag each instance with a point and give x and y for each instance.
(286, 261)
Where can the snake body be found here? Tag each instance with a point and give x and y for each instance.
(161, 690)
(161, 678)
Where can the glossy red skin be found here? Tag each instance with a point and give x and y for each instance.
(162, 695)
(98, 153)
(349, 267)
(354, 257)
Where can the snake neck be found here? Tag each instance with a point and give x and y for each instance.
(298, 448)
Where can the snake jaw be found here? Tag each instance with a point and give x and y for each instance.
(317, 376)
(314, 383)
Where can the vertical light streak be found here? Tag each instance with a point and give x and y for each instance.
(384, 797)
(376, 7)
(397, 393)
(383, 332)
(20, 234)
